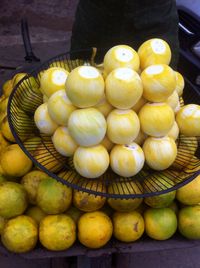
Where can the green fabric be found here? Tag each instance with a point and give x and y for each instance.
(105, 23)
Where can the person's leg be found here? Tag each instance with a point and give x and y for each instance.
(96, 24)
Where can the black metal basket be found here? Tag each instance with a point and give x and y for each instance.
(21, 107)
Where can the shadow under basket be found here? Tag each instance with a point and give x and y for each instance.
(24, 100)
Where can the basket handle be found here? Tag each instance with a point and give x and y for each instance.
(30, 57)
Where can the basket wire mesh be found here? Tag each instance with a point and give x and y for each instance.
(23, 102)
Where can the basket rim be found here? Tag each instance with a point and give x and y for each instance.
(63, 181)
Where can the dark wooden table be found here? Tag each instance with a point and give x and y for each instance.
(175, 252)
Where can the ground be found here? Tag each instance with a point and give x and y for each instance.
(50, 23)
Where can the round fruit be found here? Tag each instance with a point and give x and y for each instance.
(189, 194)
(124, 205)
(6, 131)
(123, 88)
(85, 86)
(3, 142)
(94, 229)
(188, 222)
(127, 160)
(159, 153)
(123, 126)
(188, 120)
(52, 80)
(63, 142)
(160, 223)
(104, 106)
(36, 213)
(13, 199)
(128, 226)
(15, 162)
(89, 202)
(31, 182)
(156, 119)
(60, 107)
(4, 105)
(180, 83)
(121, 56)
(174, 131)
(91, 162)
(57, 232)
(156, 87)
(87, 126)
(53, 197)
(43, 120)
(20, 234)
(173, 100)
(154, 51)
(162, 182)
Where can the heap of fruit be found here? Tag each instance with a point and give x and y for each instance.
(128, 114)
(123, 115)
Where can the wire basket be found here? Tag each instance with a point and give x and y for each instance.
(39, 148)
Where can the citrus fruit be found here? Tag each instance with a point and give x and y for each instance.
(57, 232)
(15, 162)
(127, 226)
(53, 197)
(188, 120)
(87, 126)
(91, 162)
(156, 119)
(52, 80)
(154, 51)
(123, 88)
(85, 86)
(36, 213)
(160, 223)
(123, 126)
(94, 229)
(13, 199)
(188, 222)
(156, 88)
(159, 153)
(20, 234)
(124, 205)
(31, 181)
(127, 160)
(121, 56)
(89, 202)
(60, 107)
